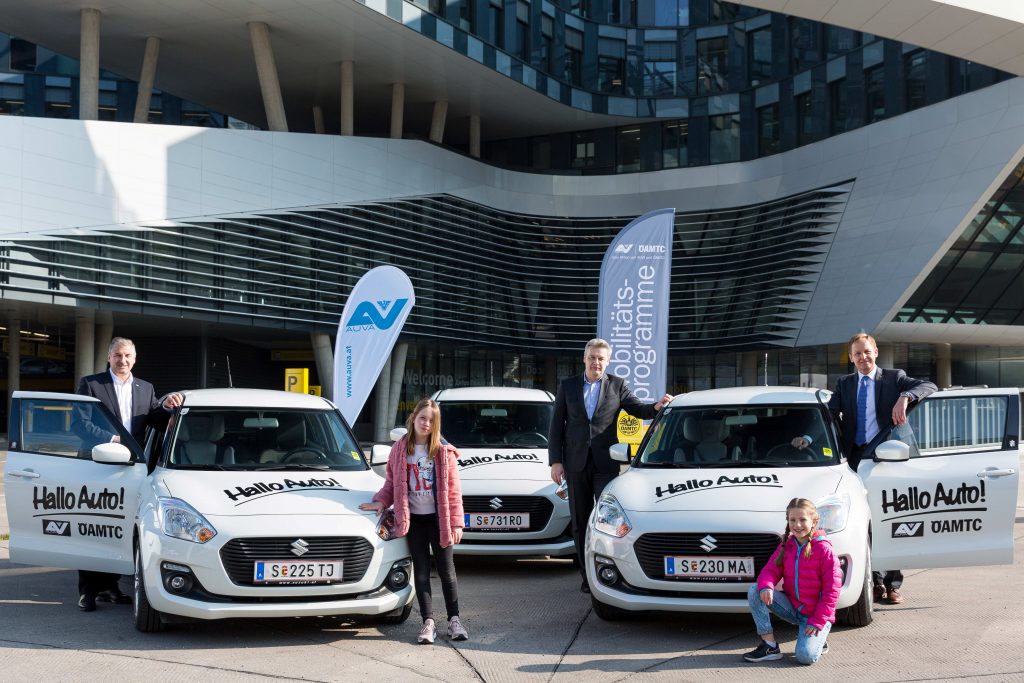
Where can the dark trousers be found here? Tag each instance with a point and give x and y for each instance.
(584, 488)
(91, 583)
(890, 579)
(424, 535)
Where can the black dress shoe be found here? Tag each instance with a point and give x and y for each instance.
(115, 596)
(86, 602)
(585, 587)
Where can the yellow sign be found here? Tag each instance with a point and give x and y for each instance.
(26, 348)
(314, 389)
(297, 379)
(630, 429)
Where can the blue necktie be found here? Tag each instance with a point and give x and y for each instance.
(862, 412)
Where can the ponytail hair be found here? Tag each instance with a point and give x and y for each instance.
(812, 510)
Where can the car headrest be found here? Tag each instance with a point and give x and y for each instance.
(201, 428)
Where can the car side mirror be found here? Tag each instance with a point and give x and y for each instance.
(892, 451)
(113, 453)
(619, 452)
(379, 454)
(397, 433)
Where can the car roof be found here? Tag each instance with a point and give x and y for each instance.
(750, 395)
(505, 394)
(253, 398)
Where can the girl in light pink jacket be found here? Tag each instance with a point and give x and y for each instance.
(811, 579)
(422, 484)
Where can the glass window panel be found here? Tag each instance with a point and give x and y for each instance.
(627, 150)
(961, 279)
(804, 40)
(808, 123)
(838, 106)
(760, 47)
(768, 130)
(874, 92)
(839, 40)
(673, 143)
(998, 277)
(712, 65)
(611, 74)
(660, 78)
(998, 229)
(725, 138)
(915, 74)
(944, 424)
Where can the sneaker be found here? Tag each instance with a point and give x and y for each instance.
(428, 633)
(456, 631)
(824, 648)
(764, 653)
(894, 597)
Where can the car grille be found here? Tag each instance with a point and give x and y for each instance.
(651, 550)
(540, 509)
(239, 554)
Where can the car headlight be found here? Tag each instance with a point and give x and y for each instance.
(180, 520)
(833, 512)
(609, 517)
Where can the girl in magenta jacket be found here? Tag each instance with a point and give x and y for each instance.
(811, 580)
(422, 484)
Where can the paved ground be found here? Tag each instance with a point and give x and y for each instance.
(528, 622)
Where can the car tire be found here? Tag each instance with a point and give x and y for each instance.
(607, 612)
(147, 619)
(395, 617)
(862, 612)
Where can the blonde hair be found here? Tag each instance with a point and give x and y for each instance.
(861, 336)
(798, 504)
(434, 440)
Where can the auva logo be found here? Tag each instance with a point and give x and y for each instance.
(379, 314)
(623, 248)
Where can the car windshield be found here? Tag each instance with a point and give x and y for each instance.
(257, 439)
(495, 424)
(738, 436)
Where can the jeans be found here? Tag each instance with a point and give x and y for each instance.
(808, 648)
(424, 535)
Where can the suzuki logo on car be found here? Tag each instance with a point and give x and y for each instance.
(496, 503)
(708, 543)
(299, 547)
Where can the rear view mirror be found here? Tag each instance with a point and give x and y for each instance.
(494, 412)
(740, 420)
(260, 423)
(113, 453)
(619, 452)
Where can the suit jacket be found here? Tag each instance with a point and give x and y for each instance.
(892, 383)
(146, 408)
(572, 435)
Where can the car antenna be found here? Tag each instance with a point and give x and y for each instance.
(766, 368)
(231, 385)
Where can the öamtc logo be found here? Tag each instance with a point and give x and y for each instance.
(375, 314)
(623, 248)
(56, 527)
(907, 529)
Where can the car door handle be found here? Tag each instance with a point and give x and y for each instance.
(27, 474)
(994, 472)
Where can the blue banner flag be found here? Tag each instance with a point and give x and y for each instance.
(633, 297)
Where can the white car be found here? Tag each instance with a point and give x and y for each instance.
(246, 506)
(511, 505)
(691, 523)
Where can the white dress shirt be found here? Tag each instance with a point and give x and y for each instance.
(124, 398)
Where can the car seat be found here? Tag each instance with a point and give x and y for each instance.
(289, 437)
(706, 434)
(197, 437)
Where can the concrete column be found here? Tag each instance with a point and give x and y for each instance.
(437, 121)
(146, 78)
(104, 333)
(943, 365)
(382, 401)
(318, 120)
(885, 355)
(474, 136)
(347, 101)
(550, 374)
(323, 354)
(748, 366)
(398, 356)
(397, 109)
(89, 66)
(266, 69)
(85, 343)
(13, 358)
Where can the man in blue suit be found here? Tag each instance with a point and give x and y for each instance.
(583, 428)
(864, 403)
(134, 402)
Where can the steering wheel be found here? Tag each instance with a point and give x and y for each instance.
(302, 455)
(517, 437)
(787, 451)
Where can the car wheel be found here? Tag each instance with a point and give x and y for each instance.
(147, 619)
(607, 612)
(395, 617)
(862, 612)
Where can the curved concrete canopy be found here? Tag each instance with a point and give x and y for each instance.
(989, 32)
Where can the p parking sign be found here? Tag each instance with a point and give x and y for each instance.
(297, 380)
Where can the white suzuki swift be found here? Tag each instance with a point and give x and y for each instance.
(690, 524)
(246, 506)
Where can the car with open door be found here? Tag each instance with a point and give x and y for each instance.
(690, 524)
(245, 506)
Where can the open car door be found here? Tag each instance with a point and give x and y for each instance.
(945, 493)
(71, 493)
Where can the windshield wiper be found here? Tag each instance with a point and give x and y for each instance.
(673, 465)
(294, 466)
(749, 463)
(184, 466)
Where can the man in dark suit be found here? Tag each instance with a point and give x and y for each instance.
(583, 427)
(864, 403)
(134, 402)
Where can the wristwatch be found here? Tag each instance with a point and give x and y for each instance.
(910, 397)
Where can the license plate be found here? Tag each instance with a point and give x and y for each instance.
(713, 567)
(318, 571)
(501, 520)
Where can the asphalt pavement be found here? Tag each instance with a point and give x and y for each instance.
(527, 622)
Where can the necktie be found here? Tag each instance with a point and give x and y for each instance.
(862, 411)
